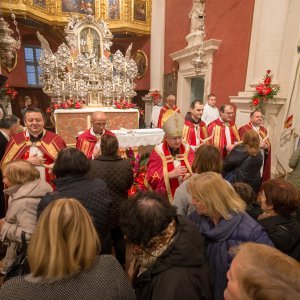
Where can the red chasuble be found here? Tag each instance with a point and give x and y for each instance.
(165, 113)
(219, 138)
(160, 163)
(190, 130)
(267, 158)
(19, 147)
(86, 142)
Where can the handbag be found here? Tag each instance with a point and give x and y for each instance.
(20, 265)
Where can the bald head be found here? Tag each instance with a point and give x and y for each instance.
(98, 121)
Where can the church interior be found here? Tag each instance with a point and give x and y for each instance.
(132, 79)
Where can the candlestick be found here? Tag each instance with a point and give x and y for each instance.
(88, 122)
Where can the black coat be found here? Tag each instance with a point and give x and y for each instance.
(118, 175)
(284, 233)
(246, 166)
(181, 272)
(93, 194)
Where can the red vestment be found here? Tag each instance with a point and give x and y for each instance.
(86, 142)
(19, 147)
(267, 152)
(219, 138)
(192, 131)
(161, 162)
(165, 113)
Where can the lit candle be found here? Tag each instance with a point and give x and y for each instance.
(88, 122)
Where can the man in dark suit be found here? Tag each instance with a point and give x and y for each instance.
(9, 126)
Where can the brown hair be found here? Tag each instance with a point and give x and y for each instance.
(207, 158)
(109, 145)
(64, 242)
(265, 273)
(251, 141)
(282, 195)
(245, 191)
(216, 194)
(20, 172)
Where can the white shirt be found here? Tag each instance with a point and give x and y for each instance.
(155, 114)
(209, 114)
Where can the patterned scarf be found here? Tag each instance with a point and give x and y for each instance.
(146, 257)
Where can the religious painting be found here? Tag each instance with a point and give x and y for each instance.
(139, 10)
(141, 61)
(77, 6)
(40, 3)
(90, 43)
(113, 9)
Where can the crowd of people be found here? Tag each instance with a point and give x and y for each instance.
(209, 222)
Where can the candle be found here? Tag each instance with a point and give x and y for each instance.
(88, 122)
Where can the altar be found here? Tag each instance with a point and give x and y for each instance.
(68, 122)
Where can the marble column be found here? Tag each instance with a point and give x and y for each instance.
(157, 45)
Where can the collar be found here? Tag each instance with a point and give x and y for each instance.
(188, 117)
(33, 138)
(5, 135)
(224, 123)
(96, 134)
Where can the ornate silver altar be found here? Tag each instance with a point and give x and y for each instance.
(85, 69)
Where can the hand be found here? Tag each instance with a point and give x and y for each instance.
(230, 147)
(36, 160)
(263, 144)
(177, 172)
(187, 176)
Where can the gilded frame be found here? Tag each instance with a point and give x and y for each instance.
(141, 60)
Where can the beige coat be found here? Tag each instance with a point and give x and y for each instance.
(22, 209)
(294, 163)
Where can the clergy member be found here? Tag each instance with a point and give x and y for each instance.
(256, 122)
(194, 129)
(167, 110)
(225, 133)
(210, 112)
(157, 101)
(170, 162)
(36, 144)
(87, 141)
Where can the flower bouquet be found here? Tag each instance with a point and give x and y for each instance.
(68, 104)
(8, 91)
(263, 93)
(123, 104)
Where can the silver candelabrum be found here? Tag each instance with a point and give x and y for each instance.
(83, 72)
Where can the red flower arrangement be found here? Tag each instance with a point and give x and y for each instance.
(123, 104)
(263, 93)
(155, 95)
(69, 104)
(139, 167)
(8, 90)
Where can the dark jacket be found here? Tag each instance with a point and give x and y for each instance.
(247, 167)
(181, 272)
(284, 233)
(220, 238)
(117, 174)
(3, 144)
(93, 195)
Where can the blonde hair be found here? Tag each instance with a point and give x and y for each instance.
(216, 194)
(265, 273)
(251, 141)
(64, 242)
(20, 172)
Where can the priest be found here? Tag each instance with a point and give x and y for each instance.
(194, 130)
(256, 123)
(224, 131)
(167, 110)
(36, 144)
(89, 141)
(170, 162)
